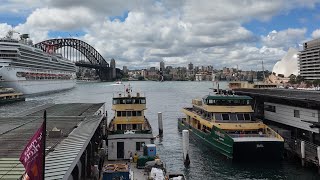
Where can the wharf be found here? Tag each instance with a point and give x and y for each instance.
(78, 125)
(309, 98)
(301, 132)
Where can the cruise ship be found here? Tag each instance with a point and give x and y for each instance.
(30, 70)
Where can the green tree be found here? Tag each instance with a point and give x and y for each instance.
(293, 79)
(299, 79)
(140, 78)
(316, 82)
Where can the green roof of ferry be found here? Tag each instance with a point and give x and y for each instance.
(227, 97)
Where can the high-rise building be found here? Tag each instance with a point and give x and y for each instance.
(113, 70)
(190, 66)
(162, 68)
(309, 60)
(125, 69)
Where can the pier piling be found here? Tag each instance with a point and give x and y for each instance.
(185, 146)
(318, 154)
(160, 124)
(104, 145)
(303, 153)
(104, 130)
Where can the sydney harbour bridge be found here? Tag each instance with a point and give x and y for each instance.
(83, 55)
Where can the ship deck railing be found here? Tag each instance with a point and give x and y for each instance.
(146, 124)
(221, 121)
(135, 132)
(249, 135)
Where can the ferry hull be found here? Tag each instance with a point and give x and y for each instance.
(258, 150)
(253, 150)
(37, 87)
(225, 148)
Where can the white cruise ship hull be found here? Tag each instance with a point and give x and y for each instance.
(21, 84)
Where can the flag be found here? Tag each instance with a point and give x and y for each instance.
(33, 154)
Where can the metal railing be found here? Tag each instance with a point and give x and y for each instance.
(294, 145)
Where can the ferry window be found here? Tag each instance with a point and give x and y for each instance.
(139, 146)
(122, 101)
(296, 113)
(210, 101)
(128, 101)
(129, 113)
(134, 113)
(123, 113)
(269, 108)
(217, 116)
(218, 102)
(143, 101)
(233, 117)
(139, 126)
(240, 117)
(225, 117)
(137, 101)
(230, 102)
(134, 126)
(116, 101)
(139, 113)
(247, 116)
(118, 126)
(124, 127)
(119, 113)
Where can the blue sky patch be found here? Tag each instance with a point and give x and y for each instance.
(298, 18)
(122, 18)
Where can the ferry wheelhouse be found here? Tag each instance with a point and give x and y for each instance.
(129, 130)
(226, 124)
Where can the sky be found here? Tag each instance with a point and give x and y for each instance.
(141, 33)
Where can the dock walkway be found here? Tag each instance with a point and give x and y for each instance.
(77, 122)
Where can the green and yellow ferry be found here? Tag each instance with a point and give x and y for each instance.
(226, 124)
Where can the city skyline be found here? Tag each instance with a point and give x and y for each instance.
(141, 34)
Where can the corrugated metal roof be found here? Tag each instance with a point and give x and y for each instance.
(10, 168)
(69, 151)
(15, 132)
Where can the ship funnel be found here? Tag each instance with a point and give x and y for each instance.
(24, 36)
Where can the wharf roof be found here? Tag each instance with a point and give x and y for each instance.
(77, 121)
(227, 97)
(302, 98)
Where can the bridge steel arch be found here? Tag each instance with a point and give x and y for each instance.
(93, 56)
(86, 49)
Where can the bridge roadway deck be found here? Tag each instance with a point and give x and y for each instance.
(17, 130)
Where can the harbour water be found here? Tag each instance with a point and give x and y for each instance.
(169, 98)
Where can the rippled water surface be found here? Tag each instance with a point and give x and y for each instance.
(169, 98)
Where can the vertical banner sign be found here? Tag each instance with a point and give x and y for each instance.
(32, 156)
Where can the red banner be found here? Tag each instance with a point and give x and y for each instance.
(32, 156)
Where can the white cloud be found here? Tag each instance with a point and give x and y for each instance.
(58, 19)
(203, 32)
(316, 34)
(285, 38)
(4, 28)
